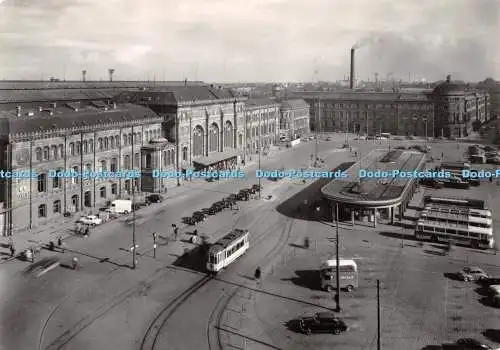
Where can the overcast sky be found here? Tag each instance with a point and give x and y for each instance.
(249, 40)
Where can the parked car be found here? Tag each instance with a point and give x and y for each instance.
(154, 198)
(471, 344)
(493, 160)
(257, 188)
(328, 139)
(322, 322)
(243, 195)
(474, 182)
(472, 274)
(206, 211)
(490, 149)
(455, 182)
(198, 216)
(188, 220)
(494, 289)
(138, 206)
(91, 220)
(431, 182)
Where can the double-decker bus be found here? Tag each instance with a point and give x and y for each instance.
(451, 227)
(457, 202)
(455, 168)
(227, 249)
(472, 217)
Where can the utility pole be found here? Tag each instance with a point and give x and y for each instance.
(134, 245)
(337, 268)
(258, 150)
(318, 125)
(378, 314)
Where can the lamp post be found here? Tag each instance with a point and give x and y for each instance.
(337, 267)
(134, 244)
(426, 139)
(258, 150)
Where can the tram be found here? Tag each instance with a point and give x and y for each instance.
(227, 249)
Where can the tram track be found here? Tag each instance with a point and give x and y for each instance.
(215, 320)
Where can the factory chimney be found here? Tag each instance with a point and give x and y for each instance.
(84, 75)
(352, 78)
(111, 71)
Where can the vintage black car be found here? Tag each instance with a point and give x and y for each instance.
(455, 182)
(218, 206)
(188, 220)
(322, 322)
(206, 211)
(431, 182)
(198, 216)
(243, 195)
(471, 344)
(490, 281)
(154, 198)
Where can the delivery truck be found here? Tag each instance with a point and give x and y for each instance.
(121, 206)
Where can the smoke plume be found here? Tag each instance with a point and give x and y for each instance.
(369, 40)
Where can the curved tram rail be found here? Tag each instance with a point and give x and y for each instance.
(154, 330)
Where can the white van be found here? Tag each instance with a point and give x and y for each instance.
(121, 206)
(348, 274)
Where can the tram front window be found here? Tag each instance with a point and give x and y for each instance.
(212, 259)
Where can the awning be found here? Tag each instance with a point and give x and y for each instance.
(215, 158)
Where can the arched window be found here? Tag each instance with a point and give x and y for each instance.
(103, 165)
(46, 153)
(100, 144)
(56, 181)
(42, 211)
(91, 146)
(54, 153)
(38, 154)
(112, 142)
(126, 162)
(75, 179)
(124, 140)
(117, 141)
(213, 138)
(61, 150)
(56, 207)
(78, 147)
(172, 157)
(184, 154)
(166, 158)
(88, 167)
(198, 142)
(42, 183)
(71, 149)
(228, 135)
(129, 139)
(113, 165)
(137, 160)
(102, 192)
(85, 147)
(106, 144)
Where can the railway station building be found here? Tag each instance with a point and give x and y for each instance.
(379, 198)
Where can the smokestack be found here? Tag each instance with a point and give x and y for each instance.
(111, 71)
(84, 75)
(351, 81)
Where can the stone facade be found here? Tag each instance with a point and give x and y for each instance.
(449, 110)
(295, 118)
(89, 139)
(262, 124)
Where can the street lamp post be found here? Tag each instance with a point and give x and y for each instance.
(426, 139)
(337, 268)
(134, 244)
(258, 150)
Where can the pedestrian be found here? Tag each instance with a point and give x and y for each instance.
(176, 232)
(74, 263)
(195, 233)
(87, 232)
(12, 250)
(258, 274)
(52, 246)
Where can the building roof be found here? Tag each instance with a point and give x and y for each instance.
(227, 240)
(49, 120)
(378, 190)
(294, 104)
(420, 96)
(27, 96)
(42, 85)
(449, 87)
(176, 94)
(260, 102)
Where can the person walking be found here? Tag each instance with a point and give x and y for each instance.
(60, 244)
(74, 263)
(12, 250)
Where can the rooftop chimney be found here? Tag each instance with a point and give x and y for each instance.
(84, 75)
(18, 110)
(351, 81)
(111, 71)
(448, 78)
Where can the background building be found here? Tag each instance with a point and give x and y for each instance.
(449, 110)
(295, 118)
(84, 135)
(262, 124)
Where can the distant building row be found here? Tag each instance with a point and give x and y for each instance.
(450, 110)
(167, 128)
